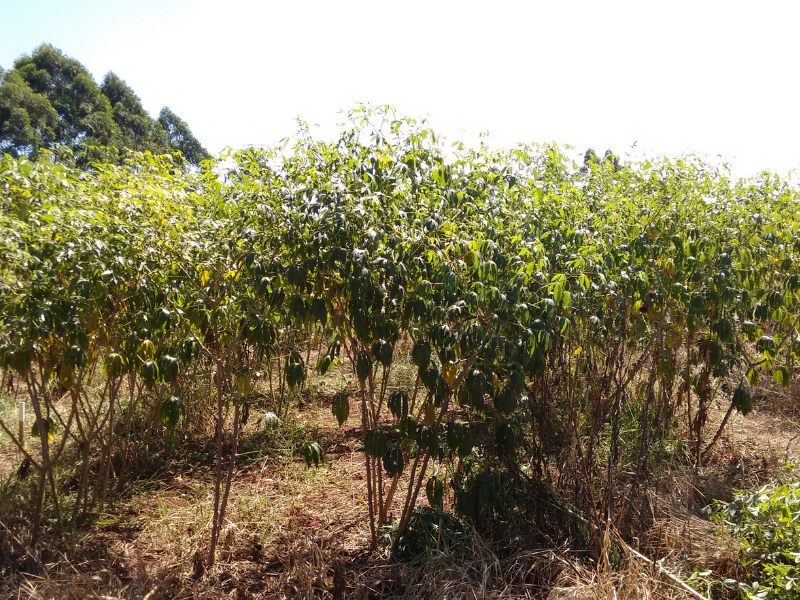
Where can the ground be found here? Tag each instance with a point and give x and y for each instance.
(298, 532)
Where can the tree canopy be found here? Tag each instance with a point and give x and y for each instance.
(179, 136)
(49, 99)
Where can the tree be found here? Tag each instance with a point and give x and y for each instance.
(50, 99)
(590, 158)
(137, 130)
(27, 120)
(612, 158)
(180, 137)
(72, 92)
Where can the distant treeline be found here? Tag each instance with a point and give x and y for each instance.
(49, 100)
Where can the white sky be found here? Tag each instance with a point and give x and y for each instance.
(706, 76)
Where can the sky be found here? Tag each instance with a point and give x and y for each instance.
(641, 78)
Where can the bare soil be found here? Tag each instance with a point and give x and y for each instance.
(295, 532)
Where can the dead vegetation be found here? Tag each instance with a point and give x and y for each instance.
(294, 532)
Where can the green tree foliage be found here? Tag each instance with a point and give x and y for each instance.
(84, 113)
(27, 120)
(50, 99)
(179, 137)
(137, 130)
(590, 158)
(612, 158)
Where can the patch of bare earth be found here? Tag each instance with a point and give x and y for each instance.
(294, 532)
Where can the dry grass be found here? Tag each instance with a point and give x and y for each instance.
(747, 455)
(293, 532)
(636, 581)
(751, 447)
(9, 455)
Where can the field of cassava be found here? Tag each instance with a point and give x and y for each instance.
(382, 367)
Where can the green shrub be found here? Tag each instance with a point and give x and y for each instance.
(767, 524)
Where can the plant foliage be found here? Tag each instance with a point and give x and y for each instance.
(539, 301)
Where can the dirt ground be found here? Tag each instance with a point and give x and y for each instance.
(295, 532)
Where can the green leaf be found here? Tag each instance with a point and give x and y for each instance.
(340, 407)
(398, 404)
(767, 346)
(149, 372)
(408, 427)
(375, 443)
(324, 364)
(313, 452)
(49, 427)
(783, 377)
(505, 401)
(434, 490)
(421, 354)
(170, 412)
(393, 460)
(363, 365)
(467, 443)
(742, 400)
(114, 365)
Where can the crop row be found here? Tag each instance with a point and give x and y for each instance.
(540, 302)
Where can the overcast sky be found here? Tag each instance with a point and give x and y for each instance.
(705, 76)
